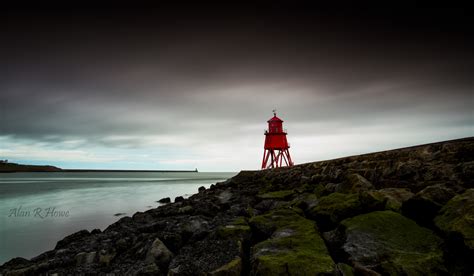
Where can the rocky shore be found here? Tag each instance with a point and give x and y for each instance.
(14, 167)
(401, 212)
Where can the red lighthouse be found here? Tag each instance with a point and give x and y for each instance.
(276, 145)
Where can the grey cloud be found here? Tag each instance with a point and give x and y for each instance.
(207, 82)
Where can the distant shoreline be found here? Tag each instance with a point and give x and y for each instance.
(98, 170)
(6, 167)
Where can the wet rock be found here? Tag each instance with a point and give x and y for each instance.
(164, 200)
(316, 178)
(467, 173)
(269, 204)
(174, 241)
(388, 243)
(343, 269)
(122, 243)
(85, 258)
(395, 197)
(456, 218)
(18, 262)
(293, 247)
(233, 268)
(372, 201)
(72, 238)
(353, 184)
(153, 227)
(195, 227)
(201, 189)
(204, 256)
(225, 196)
(106, 256)
(278, 195)
(159, 254)
(150, 269)
(424, 206)
(331, 187)
(333, 208)
(238, 229)
(179, 199)
(142, 217)
(185, 210)
(96, 231)
(305, 201)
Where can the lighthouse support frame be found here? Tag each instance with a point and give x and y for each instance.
(277, 157)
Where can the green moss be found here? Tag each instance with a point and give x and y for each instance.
(281, 195)
(233, 231)
(305, 201)
(336, 206)
(319, 190)
(344, 269)
(396, 242)
(457, 216)
(250, 211)
(233, 268)
(373, 200)
(295, 246)
(238, 229)
(385, 199)
(393, 205)
(240, 221)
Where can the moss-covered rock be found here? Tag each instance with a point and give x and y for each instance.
(335, 207)
(392, 244)
(372, 200)
(320, 190)
(279, 195)
(456, 218)
(294, 246)
(353, 184)
(395, 197)
(305, 201)
(233, 268)
(425, 205)
(343, 269)
(237, 229)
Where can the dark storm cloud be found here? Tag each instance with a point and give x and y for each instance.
(99, 76)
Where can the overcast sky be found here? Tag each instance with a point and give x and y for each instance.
(183, 88)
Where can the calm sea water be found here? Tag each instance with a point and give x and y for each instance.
(39, 209)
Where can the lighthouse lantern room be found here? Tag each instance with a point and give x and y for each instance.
(276, 150)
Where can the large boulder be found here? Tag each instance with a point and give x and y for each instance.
(395, 197)
(159, 254)
(353, 184)
(333, 208)
(456, 218)
(389, 243)
(85, 258)
(238, 230)
(293, 246)
(305, 201)
(424, 206)
(75, 237)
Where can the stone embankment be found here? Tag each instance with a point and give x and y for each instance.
(401, 212)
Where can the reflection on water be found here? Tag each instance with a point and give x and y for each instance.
(33, 206)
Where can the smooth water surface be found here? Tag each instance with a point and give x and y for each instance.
(39, 209)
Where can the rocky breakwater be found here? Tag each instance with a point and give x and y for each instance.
(401, 212)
